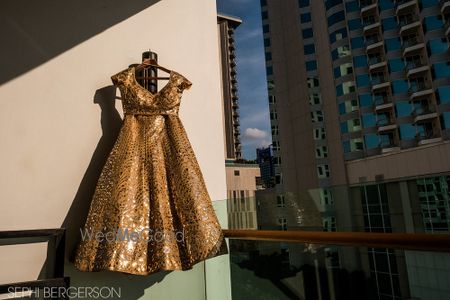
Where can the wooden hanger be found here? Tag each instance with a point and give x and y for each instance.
(150, 63)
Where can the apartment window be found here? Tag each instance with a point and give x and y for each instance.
(407, 131)
(273, 115)
(307, 33)
(353, 145)
(309, 49)
(354, 125)
(354, 24)
(389, 23)
(321, 152)
(386, 4)
(326, 197)
(371, 140)
(392, 44)
(365, 100)
(272, 99)
(276, 145)
(264, 15)
(445, 120)
(363, 80)
(357, 42)
(342, 70)
(443, 94)
(396, 65)
(315, 98)
(303, 3)
(266, 42)
(313, 82)
(316, 116)
(352, 6)
(281, 201)
(265, 28)
(274, 129)
(311, 65)
(268, 56)
(437, 46)
(432, 23)
(369, 120)
(441, 70)
(263, 2)
(399, 86)
(305, 18)
(360, 61)
(338, 35)
(237, 173)
(319, 133)
(323, 171)
(282, 224)
(339, 52)
(329, 224)
(348, 106)
(402, 108)
(345, 88)
(335, 18)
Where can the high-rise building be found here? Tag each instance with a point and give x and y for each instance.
(359, 97)
(241, 175)
(264, 158)
(226, 26)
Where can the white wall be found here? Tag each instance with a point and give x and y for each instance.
(52, 145)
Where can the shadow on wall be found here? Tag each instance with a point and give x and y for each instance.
(34, 32)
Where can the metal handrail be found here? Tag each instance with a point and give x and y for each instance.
(403, 241)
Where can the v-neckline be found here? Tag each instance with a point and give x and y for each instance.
(133, 74)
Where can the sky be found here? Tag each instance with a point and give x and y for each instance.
(251, 74)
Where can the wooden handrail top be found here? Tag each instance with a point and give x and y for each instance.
(403, 241)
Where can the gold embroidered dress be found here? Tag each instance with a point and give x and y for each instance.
(151, 210)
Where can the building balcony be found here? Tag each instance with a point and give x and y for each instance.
(371, 26)
(427, 138)
(388, 146)
(412, 45)
(373, 43)
(421, 90)
(382, 103)
(445, 6)
(447, 28)
(415, 68)
(409, 24)
(402, 6)
(379, 83)
(424, 113)
(368, 6)
(376, 63)
(388, 125)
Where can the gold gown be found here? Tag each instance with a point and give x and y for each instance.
(151, 210)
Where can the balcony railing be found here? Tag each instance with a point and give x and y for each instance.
(375, 60)
(410, 42)
(418, 87)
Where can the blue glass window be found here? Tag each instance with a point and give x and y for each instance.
(432, 23)
(360, 61)
(445, 120)
(437, 46)
(392, 44)
(429, 3)
(407, 132)
(339, 90)
(363, 80)
(307, 33)
(399, 86)
(389, 23)
(265, 28)
(371, 141)
(354, 24)
(303, 3)
(357, 42)
(386, 4)
(309, 49)
(264, 15)
(311, 65)
(403, 108)
(365, 100)
(335, 18)
(269, 70)
(369, 120)
(268, 56)
(305, 18)
(266, 42)
(441, 70)
(396, 65)
(338, 35)
(443, 94)
(351, 6)
(342, 108)
(330, 3)
(344, 127)
(346, 146)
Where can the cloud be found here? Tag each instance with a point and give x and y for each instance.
(255, 133)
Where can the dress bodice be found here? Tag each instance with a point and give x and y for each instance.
(138, 100)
